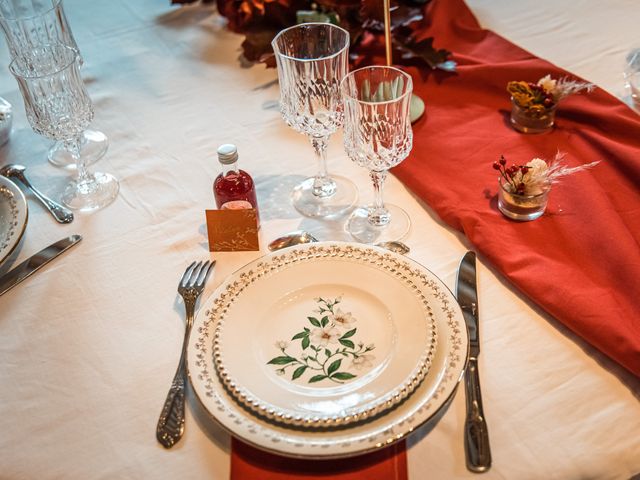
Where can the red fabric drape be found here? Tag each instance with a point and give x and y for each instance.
(581, 260)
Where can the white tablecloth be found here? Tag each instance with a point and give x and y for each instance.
(88, 346)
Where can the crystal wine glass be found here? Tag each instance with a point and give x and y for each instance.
(312, 60)
(58, 107)
(378, 136)
(28, 24)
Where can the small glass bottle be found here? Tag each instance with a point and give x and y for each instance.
(233, 188)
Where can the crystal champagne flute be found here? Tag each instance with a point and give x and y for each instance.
(377, 136)
(312, 59)
(58, 107)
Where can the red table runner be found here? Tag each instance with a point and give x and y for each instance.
(581, 260)
(249, 463)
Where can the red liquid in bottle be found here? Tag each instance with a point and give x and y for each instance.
(233, 188)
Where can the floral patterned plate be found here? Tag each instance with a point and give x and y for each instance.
(301, 339)
(13, 217)
(447, 361)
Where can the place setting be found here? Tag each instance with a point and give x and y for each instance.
(342, 370)
(292, 354)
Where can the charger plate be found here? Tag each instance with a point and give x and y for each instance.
(13, 217)
(429, 397)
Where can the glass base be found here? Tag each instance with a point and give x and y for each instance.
(522, 214)
(524, 121)
(93, 146)
(98, 192)
(310, 205)
(521, 207)
(362, 230)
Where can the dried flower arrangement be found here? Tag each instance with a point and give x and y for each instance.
(536, 176)
(260, 20)
(538, 97)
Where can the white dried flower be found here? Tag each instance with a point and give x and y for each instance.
(541, 175)
(548, 84)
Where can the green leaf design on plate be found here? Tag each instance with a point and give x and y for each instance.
(298, 371)
(314, 321)
(343, 376)
(299, 335)
(314, 355)
(346, 343)
(350, 333)
(283, 360)
(334, 366)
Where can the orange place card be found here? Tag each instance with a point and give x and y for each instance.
(232, 230)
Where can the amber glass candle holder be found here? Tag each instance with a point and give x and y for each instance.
(521, 207)
(526, 121)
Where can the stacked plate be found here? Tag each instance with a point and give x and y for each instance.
(13, 217)
(327, 350)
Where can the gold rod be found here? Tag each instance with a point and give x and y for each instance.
(387, 30)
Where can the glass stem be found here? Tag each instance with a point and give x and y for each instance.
(73, 147)
(323, 185)
(378, 215)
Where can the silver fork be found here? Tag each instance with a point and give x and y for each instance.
(171, 422)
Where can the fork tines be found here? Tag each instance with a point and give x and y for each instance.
(196, 274)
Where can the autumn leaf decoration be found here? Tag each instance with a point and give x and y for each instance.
(260, 20)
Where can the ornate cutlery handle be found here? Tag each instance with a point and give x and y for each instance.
(60, 213)
(476, 434)
(171, 422)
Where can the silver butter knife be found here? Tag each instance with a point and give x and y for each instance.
(35, 263)
(476, 434)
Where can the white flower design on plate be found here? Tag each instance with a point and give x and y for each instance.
(363, 361)
(325, 346)
(341, 319)
(325, 336)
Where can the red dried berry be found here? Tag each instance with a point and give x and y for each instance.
(496, 165)
(524, 169)
(502, 161)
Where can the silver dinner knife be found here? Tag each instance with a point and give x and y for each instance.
(476, 435)
(35, 263)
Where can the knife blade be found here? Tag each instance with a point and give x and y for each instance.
(476, 438)
(36, 262)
